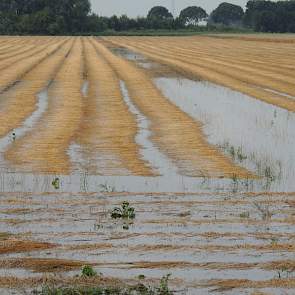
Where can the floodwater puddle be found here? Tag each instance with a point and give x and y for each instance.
(254, 134)
(159, 162)
(83, 230)
(85, 88)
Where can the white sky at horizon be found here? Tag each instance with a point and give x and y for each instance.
(134, 8)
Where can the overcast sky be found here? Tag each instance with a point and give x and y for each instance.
(135, 8)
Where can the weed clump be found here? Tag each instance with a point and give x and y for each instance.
(123, 212)
(88, 271)
(164, 288)
(56, 183)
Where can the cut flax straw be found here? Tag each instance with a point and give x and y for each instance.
(242, 66)
(108, 130)
(174, 132)
(45, 148)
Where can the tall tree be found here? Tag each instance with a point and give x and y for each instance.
(269, 16)
(227, 14)
(159, 12)
(192, 15)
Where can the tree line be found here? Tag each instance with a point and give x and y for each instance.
(61, 17)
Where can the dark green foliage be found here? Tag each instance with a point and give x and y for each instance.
(124, 212)
(56, 183)
(43, 16)
(227, 14)
(192, 15)
(74, 17)
(164, 288)
(159, 12)
(269, 16)
(88, 271)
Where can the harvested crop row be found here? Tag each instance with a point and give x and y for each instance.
(19, 246)
(241, 48)
(108, 131)
(42, 265)
(44, 149)
(214, 48)
(12, 74)
(273, 38)
(250, 74)
(20, 101)
(174, 132)
(20, 46)
(9, 42)
(26, 52)
(12, 46)
(169, 57)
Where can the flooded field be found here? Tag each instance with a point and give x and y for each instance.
(198, 139)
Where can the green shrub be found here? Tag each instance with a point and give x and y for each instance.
(88, 271)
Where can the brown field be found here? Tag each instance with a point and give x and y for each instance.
(197, 133)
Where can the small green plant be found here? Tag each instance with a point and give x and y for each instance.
(56, 183)
(164, 288)
(126, 226)
(245, 215)
(124, 212)
(88, 271)
(141, 277)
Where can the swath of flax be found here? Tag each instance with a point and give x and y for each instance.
(211, 47)
(245, 72)
(44, 149)
(9, 43)
(13, 74)
(108, 129)
(219, 75)
(26, 51)
(19, 46)
(16, 46)
(178, 135)
(20, 101)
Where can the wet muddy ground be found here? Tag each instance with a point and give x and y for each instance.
(219, 216)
